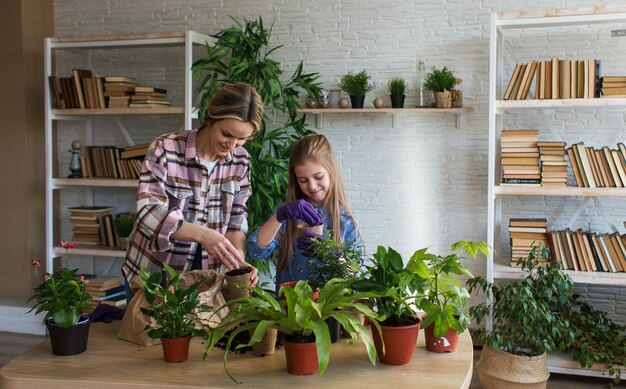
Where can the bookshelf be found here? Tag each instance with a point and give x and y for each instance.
(86, 45)
(319, 112)
(498, 268)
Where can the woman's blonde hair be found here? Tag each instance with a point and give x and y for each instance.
(235, 101)
(317, 149)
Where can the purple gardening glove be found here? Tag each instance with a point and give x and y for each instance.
(307, 242)
(299, 210)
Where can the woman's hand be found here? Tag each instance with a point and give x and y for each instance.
(299, 210)
(223, 250)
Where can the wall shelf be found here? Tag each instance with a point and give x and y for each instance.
(93, 182)
(518, 190)
(319, 112)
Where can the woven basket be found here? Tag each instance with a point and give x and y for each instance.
(498, 369)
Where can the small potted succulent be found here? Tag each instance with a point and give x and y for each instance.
(124, 224)
(401, 284)
(63, 298)
(174, 310)
(397, 90)
(441, 82)
(301, 321)
(356, 85)
(446, 296)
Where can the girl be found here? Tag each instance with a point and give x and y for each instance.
(315, 195)
(191, 200)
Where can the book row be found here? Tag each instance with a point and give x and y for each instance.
(603, 167)
(588, 251)
(113, 162)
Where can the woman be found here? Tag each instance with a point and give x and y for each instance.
(191, 201)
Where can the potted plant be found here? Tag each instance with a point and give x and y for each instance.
(124, 223)
(387, 273)
(63, 298)
(535, 315)
(440, 81)
(397, 89)
(330, 259)
(356, 85)
(173, 308)
(300, 320)
(446, 296)
(241, 53)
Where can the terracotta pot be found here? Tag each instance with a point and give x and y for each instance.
(175, 350)
(301, 358)
(292, 284)
(71, 340)
(267, 345)
(499, 369)
(399, 343)
(443, 99)
(446, 344)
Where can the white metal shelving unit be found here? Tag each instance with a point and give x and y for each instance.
(85, 44)
(496, 268)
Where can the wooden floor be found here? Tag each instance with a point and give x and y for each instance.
(12, 345)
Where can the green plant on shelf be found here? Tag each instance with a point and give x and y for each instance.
(397, 86)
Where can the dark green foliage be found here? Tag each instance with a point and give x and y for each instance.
(396, 86)
(241, 53)
(297, 314)
(540, 313)
(124, 224)
(356, 84)
(333, 260)
(439, 79)
(171, 306)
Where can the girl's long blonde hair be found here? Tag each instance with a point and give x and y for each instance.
(317, 149)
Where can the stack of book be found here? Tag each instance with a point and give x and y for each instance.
(588, 251)
(88, 227)
(557, 79)
(598, 168)
(147, 96)
(118, 89)
(113, 162)
(526, 234)
(106, 290)
(614, 86)
(553, 164)
(520, 157)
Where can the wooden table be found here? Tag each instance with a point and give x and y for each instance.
(113, 363)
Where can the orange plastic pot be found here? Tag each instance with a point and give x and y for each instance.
(446, 344)
(175, 350)
(301, 358)
(399, 343)
(292, 284)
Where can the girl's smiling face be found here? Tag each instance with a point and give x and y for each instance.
(314, 181)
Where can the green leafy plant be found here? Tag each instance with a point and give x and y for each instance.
(124, 224)
(297, 315)
(540, 313)
(446, 295)
(172, 306)
(330, 260)
(62, 294)
(396, 86)
(356, 84)
(387, 273)
(439, 79)
(241, 53)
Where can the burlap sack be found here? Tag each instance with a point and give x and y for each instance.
(134, 322)
(498, 369)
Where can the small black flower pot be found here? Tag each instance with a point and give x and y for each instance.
(397, 101)
(334, 328)
(357, 101)
(71, 340)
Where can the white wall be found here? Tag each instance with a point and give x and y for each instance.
(420, 184)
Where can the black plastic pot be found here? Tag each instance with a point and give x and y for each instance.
(357, 101)
(397, 101)
(334, 328)
(71, 340)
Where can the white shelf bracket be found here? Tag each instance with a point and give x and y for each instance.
(576, 214)
(124, 132)
(319, 119)
(393, 120)
(460, 120)
(606, 215)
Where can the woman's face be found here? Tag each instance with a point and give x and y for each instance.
(314, 181)
(224, 136)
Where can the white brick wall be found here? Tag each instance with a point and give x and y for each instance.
(420, 184)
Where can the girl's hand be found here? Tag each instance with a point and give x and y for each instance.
(223, 250)
(299, 210)
(307, 242)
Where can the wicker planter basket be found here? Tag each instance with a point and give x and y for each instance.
(499, 369)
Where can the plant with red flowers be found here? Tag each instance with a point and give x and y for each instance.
(61, 294)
